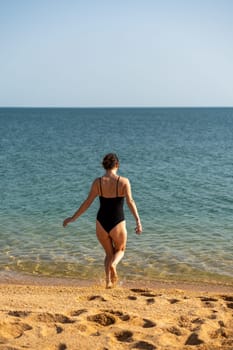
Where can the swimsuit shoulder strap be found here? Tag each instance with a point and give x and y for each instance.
(117, 186)
(101, 192)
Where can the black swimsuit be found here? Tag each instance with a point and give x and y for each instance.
(111, 210)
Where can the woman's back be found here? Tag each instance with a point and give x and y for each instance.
(111, 187)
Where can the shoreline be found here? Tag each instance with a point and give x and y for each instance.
(43, 281)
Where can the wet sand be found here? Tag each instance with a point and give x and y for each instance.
(57, 315)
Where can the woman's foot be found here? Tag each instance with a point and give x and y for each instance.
(109, 284)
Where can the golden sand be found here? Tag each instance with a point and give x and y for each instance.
(165, 316)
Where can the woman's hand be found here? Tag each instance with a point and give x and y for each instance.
(67, 221)
(138, 228)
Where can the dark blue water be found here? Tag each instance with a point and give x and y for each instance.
(179, 162)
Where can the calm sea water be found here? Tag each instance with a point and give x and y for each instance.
(179, 162)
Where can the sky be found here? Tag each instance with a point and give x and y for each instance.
(122, 53)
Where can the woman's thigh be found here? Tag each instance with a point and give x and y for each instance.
(119, 236)
(104, 239)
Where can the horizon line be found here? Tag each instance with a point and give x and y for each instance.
(115, 107)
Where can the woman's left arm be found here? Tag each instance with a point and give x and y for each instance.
(132, 206)
(85, 205)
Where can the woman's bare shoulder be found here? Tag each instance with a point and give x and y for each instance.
(95, 183)
(124, 181)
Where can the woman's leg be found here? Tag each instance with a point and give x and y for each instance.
(119, 237)
(106, 242)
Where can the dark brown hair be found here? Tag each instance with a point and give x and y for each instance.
(110, 161)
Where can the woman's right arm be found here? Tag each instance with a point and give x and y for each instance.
(132, 206)
(85, 205)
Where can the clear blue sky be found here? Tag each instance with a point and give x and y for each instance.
(116, 53)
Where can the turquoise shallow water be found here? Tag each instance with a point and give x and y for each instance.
(179, 162)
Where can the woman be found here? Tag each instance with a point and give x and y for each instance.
(110, 224)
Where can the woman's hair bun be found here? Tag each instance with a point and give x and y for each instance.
(110, 161)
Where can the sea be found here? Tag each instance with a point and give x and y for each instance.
(180, 165)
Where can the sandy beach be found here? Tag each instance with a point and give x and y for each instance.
(165, 315)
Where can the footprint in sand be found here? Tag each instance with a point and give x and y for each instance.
(103, 319)
(124, 336)
(148, 323)
(229, 300)
(58, 329)
(221, 323)
(219, 333)
(227, 297)
(143, 292)
(96, 297)
(213, 316)
(208, 301)
(174, 301)
(78, 312)
(47, 317)
(21, 314)
(61, 346)
(193, 340)
(139, 290)
(198, 321)
(13, 330)
(150, 301)
(143, 345)
(175, 330)
(121, 315)
(148, 294)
